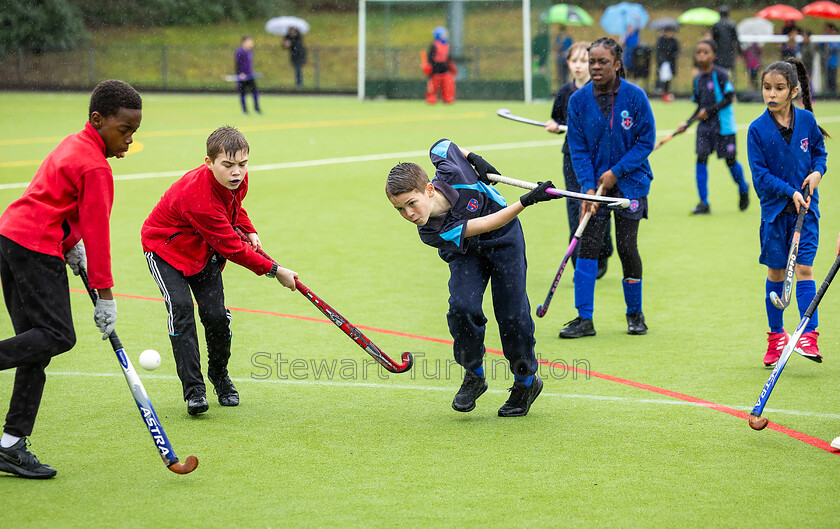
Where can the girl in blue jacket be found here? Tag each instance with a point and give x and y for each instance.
(611, 132)
(786, 151)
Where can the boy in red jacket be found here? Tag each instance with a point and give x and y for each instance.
(187, 239)
(68, 200)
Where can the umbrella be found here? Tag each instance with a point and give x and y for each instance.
(281, 25)
(566, 14)
(754, 26)
(822, 9)
(700, 16)
(617, 17)
(780, 12)
(663, 24)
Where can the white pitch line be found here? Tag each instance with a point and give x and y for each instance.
(373, 157)
(373, 385)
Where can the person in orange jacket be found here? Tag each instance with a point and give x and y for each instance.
(440, 69)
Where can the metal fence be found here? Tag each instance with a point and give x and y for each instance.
(202, 67)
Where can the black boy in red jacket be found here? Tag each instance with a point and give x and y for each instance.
(68, 201)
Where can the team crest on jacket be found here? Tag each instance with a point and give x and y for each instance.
(626, 120)
(634, 205)
(803, 144)
(472, 205)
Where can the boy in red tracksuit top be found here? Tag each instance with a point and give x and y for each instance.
(187, 239)
(68, 200)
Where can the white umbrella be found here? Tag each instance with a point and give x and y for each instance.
(281, 25)
(754, 26)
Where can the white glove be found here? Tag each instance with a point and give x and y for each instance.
(105, 316)
(76, 258)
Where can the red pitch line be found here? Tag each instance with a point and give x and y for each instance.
(799, 436)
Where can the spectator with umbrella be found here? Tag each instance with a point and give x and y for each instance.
(292, 29)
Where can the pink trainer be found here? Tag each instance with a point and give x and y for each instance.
(776, 342)
(807, 346)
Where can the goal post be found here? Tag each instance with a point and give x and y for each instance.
(527, 64)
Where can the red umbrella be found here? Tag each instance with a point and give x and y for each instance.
(822, 9)
(780, 12)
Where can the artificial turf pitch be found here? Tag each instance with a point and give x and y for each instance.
(348, 447)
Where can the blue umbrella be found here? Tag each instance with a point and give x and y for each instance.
(617, 17)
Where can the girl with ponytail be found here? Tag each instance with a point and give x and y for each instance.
(786, 150)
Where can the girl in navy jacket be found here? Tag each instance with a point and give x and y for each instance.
(786, 152)
(611, 132)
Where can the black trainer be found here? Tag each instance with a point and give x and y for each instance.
(225, 390)
(472, 388)
(197, 403)
(18, 460)
(744, 201)
(578, 328)
(636, 323)
(701, 209)
(521, 398)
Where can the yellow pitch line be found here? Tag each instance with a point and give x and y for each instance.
(275, 126)
(135, 148)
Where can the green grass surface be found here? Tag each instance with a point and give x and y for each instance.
(362, 451)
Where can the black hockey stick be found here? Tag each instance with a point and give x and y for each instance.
(670, 137)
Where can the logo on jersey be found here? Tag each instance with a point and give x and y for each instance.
(626, 120)
(472, 205)
(634, 205)
(730, 148)
(710, 86)
(803, 144)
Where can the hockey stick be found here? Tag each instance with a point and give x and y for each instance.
(757, 422)
(355, 334)
(141, 398)
(232, 78)
(670, 137)
(505, 113)
(784, 301)
(610, 202)
(542, 309)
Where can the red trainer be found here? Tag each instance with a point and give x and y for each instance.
(807, 346)
(776, 342)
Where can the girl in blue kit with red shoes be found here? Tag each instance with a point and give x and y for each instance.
(787, 152)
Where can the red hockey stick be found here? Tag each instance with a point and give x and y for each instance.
(355, 334)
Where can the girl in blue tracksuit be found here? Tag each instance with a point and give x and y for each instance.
(611, 132)
(786, 151)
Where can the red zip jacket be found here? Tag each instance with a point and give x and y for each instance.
(69, 199)
(197, 216)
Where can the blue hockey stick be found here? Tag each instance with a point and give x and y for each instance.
(141, 398)
(757, 422)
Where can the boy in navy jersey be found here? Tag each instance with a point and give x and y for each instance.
(478, 234)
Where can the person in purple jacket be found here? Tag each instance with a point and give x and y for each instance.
(786, 150)
(244, 59)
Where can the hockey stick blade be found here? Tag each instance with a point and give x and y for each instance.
(505, 113)
(144, 404)
(610, 202)
(348, 328)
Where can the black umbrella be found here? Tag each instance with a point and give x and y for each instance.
(663, 24)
